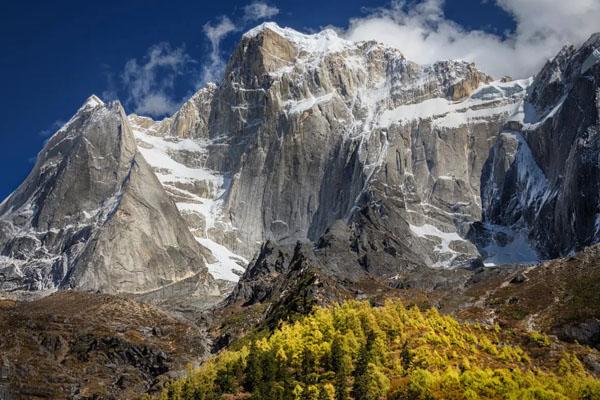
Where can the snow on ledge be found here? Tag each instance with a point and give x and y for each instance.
(589, 62)
(428, 231)
(92, 102)
(518, 250)
(299, 106)
(225, 267)
(326, 41)
(449, 114)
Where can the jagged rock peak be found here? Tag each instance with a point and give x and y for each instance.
(556, 76)
(92, 101)
(268, 48)
(326, 40)
(593, 40)
(543, 171)
(190, 121)
(291, 33)
(92, 215)
(273, 51)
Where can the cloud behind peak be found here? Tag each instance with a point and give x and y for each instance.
(424, 34)
(149, 82)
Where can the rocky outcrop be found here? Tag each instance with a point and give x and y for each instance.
(559, 297)
(74, 345)
(92, 215)
(471, 82)
(190, 121)
(313, 138)
(315, 124)
(542, 176)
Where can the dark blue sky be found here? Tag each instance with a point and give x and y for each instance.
(56, 53)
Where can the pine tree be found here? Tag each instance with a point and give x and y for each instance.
(339, 366)
(225, 381)
(327, 392)
(405, 356)
(188, 389)
(311, 392)
(308, 365)
(199, 394)
(360, 388)
(270, 367)
(253, 372)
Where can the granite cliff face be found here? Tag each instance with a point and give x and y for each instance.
(317, 122)
(543, 174)
(178, 149)
(378, 165)
(305, 130)
(93, 216)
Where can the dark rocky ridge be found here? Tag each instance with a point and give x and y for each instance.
(559, 297)
(543, 173)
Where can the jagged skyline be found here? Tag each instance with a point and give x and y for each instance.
(65, 52)
(320, 170)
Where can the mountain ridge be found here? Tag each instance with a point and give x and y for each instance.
(308, 130)
(317, 171)
(77, 207)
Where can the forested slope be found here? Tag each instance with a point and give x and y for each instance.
(356, 351)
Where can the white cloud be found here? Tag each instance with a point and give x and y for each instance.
(424, 34)
(56, 125)
(259, 10)
(110, 93)
(150, 83)
(215, 33)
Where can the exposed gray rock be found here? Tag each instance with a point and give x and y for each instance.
(584, 332)
(543, 173)
(305, 130)
(385, 165)
(92, 215)
(316, 126)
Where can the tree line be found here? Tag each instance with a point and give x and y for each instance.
(354, 351)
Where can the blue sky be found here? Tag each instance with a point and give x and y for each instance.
(55, 54)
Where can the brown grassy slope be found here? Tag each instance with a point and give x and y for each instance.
(78, 344)
(560, 297)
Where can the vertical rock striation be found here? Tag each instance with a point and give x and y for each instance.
(543, 173)
(92, 215)
(380, 165)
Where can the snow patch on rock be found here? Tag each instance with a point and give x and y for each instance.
(443, 239)
(508, 246)
(592, 60)
(482, 104)
(317, 44)
(228, 265)
(180, 180)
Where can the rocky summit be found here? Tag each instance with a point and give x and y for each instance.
(346, 147)
(542, 176)
(316, 171)
(93, 216)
